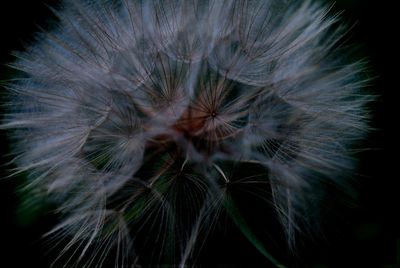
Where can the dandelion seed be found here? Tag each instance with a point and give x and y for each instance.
(139, 119)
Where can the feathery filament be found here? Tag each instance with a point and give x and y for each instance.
(140, 118)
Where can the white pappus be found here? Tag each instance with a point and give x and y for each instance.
(141, 118)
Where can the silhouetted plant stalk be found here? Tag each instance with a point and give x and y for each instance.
(139, 119)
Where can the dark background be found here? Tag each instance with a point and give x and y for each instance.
(365, 233)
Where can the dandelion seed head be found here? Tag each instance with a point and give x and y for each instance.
(132, 112)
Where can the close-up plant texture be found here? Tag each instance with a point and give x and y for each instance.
(151, 124)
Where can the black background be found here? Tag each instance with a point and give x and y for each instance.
(365, 234)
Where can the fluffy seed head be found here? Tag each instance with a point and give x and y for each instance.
(134, 112)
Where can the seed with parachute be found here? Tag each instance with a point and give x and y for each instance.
(144, 120)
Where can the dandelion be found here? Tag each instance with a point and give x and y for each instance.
(145, 120)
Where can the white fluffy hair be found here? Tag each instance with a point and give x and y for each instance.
(132, 113)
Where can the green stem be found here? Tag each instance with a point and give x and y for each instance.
(245, 229)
